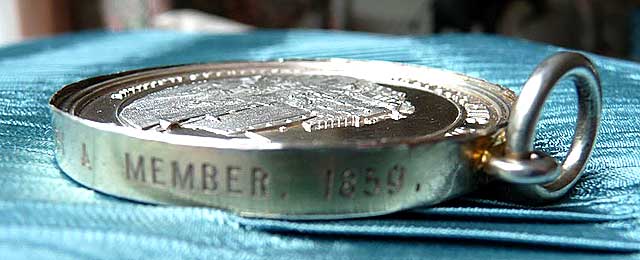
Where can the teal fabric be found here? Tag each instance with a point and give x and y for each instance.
(45, 214)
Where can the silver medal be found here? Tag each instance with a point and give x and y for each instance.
(313, 139)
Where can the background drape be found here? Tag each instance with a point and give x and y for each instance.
(44, 213)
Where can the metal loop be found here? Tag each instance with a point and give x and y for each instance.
(518, 167)
(538, 168)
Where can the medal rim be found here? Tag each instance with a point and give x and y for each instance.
(65, 99)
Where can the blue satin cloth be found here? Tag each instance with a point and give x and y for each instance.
(44, 214)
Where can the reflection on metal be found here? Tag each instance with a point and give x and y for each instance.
(232, 106)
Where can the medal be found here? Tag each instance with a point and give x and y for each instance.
(316, 139)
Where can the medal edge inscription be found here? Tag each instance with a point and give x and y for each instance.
(269, 189)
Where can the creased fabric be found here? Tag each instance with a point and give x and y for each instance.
(45, 214)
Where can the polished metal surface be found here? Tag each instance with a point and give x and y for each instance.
(284, 139)
(534, 175)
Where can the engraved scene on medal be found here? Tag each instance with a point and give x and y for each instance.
(240, 107)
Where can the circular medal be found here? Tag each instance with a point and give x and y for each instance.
(304, 139)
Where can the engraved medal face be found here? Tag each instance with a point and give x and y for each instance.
(294, 103)
(290, 107)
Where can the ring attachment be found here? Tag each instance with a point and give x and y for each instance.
(536, 176)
